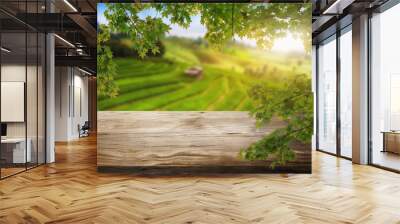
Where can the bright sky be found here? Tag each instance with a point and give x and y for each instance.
(288, 44)
(100, 13)
(196, 29)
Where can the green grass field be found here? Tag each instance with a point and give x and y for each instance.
(161, 83)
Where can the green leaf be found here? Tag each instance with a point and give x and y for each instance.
(292, 102)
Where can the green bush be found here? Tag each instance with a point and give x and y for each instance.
(290, 101)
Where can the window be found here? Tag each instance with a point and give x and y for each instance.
(385, 89)
(327, 96)
(346, 93)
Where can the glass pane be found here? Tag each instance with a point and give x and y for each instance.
(386, 89)
(346, 94)
(32, 87)
(31, 98)
(23, 90)
(14, 153)
(41, 99)
(16, 7)
(327, 97)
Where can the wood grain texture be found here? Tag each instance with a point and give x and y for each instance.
(183, 139)
(72, 191)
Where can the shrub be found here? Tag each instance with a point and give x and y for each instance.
(292, 102)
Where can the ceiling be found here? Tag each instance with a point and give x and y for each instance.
(73, 21)
(331, 15)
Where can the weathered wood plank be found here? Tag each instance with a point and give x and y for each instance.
(173, 139)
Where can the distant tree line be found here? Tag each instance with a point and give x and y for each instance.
(121, 46)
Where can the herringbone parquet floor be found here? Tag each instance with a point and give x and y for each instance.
(71, 191)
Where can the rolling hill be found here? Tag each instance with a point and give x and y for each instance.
(227, 74)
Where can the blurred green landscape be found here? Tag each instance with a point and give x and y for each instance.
(221, 83)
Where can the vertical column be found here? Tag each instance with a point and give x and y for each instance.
(50, 99)
(338, 91)
(360, 90)
(314, 90)
(50, 92)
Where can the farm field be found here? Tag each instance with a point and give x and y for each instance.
(161, 84)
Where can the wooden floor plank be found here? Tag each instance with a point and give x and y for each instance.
(72, 191)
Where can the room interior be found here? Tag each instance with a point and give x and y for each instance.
(22, 102)
(335, 81)
(26, 61)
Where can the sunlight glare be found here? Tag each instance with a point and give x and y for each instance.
(288, 44)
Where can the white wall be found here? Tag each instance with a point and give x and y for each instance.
(14, 72)
(33, 126)
(62, 82)
(80, 108)
(71, 94)
(13, 101)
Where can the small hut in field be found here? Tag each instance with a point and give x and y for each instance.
(195, 72)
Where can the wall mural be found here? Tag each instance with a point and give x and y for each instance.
(222, 87)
